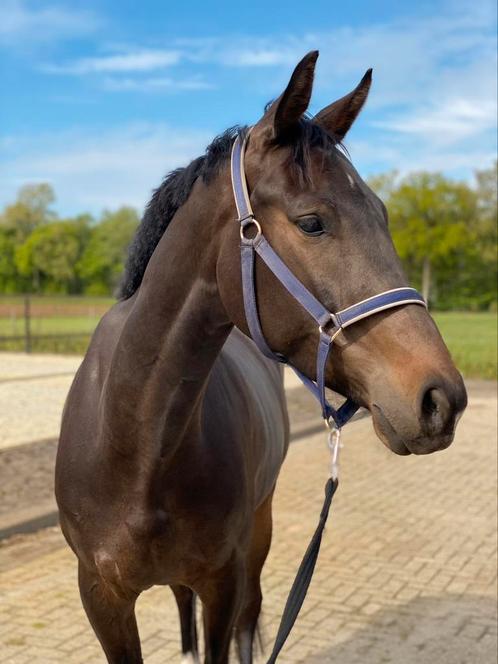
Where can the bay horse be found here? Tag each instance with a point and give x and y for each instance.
(175, 427)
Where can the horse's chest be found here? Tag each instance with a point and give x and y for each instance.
(162, 546)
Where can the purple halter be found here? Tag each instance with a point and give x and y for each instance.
(329, 324)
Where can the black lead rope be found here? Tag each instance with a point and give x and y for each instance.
(303, 578)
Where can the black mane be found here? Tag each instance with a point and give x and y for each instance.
(177, 185)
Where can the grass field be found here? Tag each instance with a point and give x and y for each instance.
(472, 340)
(471, 337)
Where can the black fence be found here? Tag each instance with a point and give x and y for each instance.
(58, 324)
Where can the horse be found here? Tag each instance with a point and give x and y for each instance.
(175, 427)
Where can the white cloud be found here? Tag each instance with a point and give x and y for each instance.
(452, 121)
(21, 20)
(405, 155)
(440, 56)
(163, 84)
(257, 57)
(135, 61)
(453, 49)
(90, 171)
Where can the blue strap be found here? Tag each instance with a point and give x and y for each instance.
(377, 303)
(322, 353)
(309, 302)
(298, 290)
(250, 304)
(239, 185)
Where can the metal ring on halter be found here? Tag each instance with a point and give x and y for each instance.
(250, 222)
(337, 326)
(333, 332)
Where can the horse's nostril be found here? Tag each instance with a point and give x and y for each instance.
(436, 409)
(430, 402)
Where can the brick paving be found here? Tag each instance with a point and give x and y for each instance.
(27, 483)
(407, 570)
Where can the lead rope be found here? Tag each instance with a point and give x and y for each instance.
(306, 568)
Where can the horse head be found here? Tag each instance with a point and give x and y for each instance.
(332, 231)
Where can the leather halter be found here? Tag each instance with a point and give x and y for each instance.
(329, 324)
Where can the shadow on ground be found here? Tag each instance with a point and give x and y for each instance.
(448, 629)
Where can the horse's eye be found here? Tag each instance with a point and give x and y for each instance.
(310, 226)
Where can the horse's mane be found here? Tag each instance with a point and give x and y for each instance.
(177, 185)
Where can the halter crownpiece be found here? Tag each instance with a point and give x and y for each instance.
(329, 324)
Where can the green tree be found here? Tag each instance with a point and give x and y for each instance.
(30, 210)
(485, 233)
(10, 279)
(102, 262)
(431, 221)
(17, 221)
(487, 191)
(50, 255)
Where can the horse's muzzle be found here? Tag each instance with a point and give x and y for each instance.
(425, 427)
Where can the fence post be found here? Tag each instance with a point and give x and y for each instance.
(27, 324)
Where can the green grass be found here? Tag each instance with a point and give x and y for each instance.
(471, 337)
(50, 325)
(472, 340)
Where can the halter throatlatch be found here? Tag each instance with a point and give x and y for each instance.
(329, 325)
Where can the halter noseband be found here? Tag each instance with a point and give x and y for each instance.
(329, 324)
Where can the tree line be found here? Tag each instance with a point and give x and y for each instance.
(444, 230)
(41, 253)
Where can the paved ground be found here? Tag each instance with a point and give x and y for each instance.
(407, 571)
(36, 385)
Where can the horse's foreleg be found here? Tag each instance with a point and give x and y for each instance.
(185, 600)
(221, 596)
(112, 617)
(258, 551)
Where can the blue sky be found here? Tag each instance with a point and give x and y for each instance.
(102, 98)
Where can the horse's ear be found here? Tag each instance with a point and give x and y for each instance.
(284, 114)
(339, 116)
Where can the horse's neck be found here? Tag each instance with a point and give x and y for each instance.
(173, 334)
